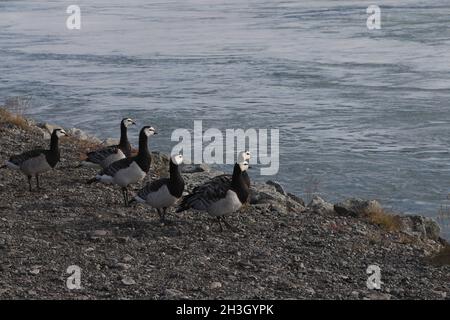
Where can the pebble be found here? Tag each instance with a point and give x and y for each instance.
(215, 285)
(128, 281)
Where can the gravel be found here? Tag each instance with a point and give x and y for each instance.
(283, 250)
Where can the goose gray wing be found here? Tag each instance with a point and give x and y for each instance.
(112, 169)
(98, 156)
(205, 195)
(152, 187)
(20, 158)
(223, 179)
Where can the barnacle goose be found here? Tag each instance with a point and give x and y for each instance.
(220, 198)
(106, 156)
(226, 178)
(165, 192)
(129, 170)
(37, 161)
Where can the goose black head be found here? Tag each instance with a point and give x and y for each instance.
(243, 156)
(177, 159)
(59, 133)
(148, 131)
(126, 122)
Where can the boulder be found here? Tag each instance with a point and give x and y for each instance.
(278, 187)
(421, 227)
(194, 168)
(110, 142)
(81, 135)
(355, 207)
(263, 193)
(48, 127)
(320, 206)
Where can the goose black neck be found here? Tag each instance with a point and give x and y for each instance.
(174, 171)
(176, 185)
(123, 134)
(124, 144)
(143, 143)
(54, 142)
(238, 184)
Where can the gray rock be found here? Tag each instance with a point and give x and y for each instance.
(81, 135)
(215, 285)
(320, 206)
(355, 207)
(422, 227)
(110, 142)
(49, 127)
(173, 294)
(296, 199)
(278, 187)
(193, 168)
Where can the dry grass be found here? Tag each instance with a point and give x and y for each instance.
(385, 220)
(7, 117)
(442, 257)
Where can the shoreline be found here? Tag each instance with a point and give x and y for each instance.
(287, 248)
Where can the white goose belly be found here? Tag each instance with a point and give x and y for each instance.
(227, 205)
(35, 165)
(126, 176)
(161, 198)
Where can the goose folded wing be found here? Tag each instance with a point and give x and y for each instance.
(223, 179)
(20, 158)
(206, 195)
(114, 167)
(98, 156)
(152, 187)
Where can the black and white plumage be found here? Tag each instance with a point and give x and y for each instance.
(165, 192)
(108, 155)
(217, 198)
(37, 161)
(129, 170)
(225, 179)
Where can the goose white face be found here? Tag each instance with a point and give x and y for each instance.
(243, 156)
(243, 166)
(150, 131)
(60, 133)
(177, 159)
(127, 122)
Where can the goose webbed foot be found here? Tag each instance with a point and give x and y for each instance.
(229, 226)
(162, 216)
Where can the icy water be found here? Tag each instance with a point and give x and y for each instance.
(361, 112)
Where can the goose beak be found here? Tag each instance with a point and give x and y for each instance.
(133, 122)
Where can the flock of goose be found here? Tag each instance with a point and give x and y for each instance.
(220, 196)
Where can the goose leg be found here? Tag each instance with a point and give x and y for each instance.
(125, 196)
(29, 182)
(219, 220)
(159, 214)
(37, 181)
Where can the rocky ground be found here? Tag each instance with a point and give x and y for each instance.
(284, 249)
